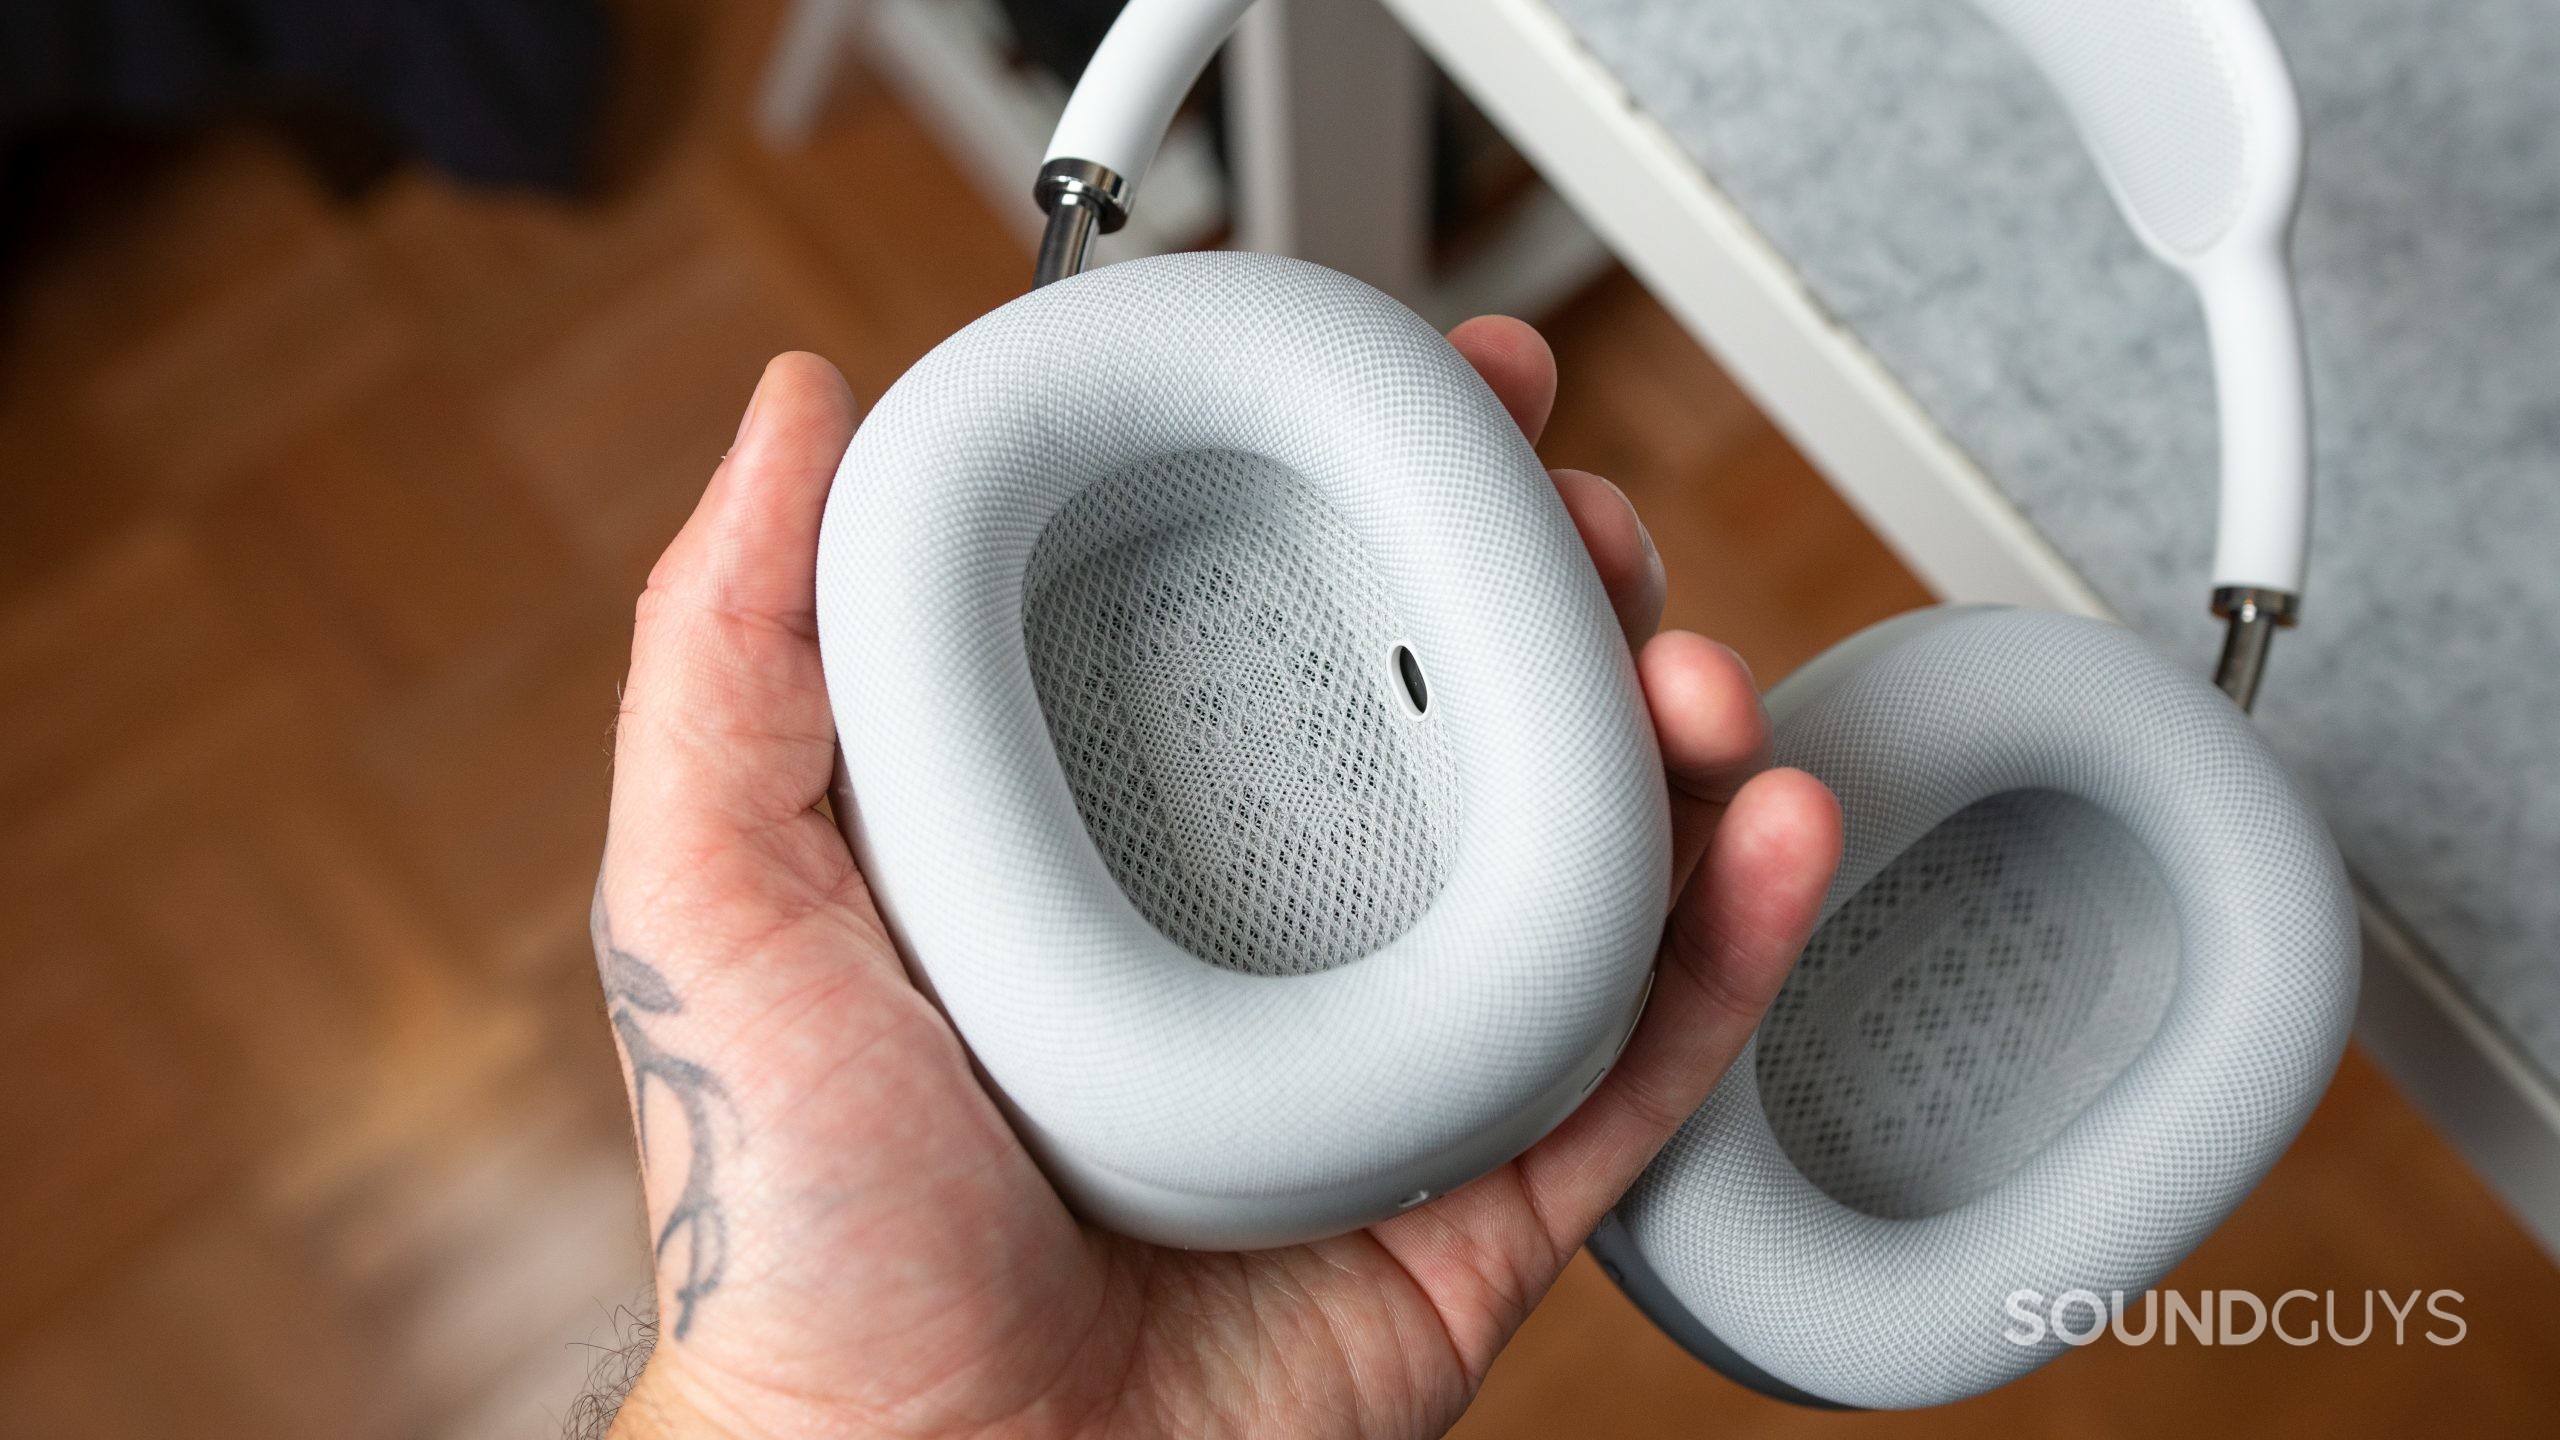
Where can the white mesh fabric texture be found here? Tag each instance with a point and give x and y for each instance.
(1864, 1306)
(1962, 1007)
(1170, 1096)
(2157, 101)
(1215, 655)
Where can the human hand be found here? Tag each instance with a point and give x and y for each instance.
(850, 1241)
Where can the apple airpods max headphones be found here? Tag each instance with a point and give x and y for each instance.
(1238, 741)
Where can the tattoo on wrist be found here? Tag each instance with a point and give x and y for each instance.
(635, 992)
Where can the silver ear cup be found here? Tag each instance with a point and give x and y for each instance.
(2089, 964)
(1240, 745)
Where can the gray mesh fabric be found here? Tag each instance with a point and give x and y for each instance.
(1377, 490)
(1967, 1002)
(1214, 652)
(2156, 101)
(1853, 1205)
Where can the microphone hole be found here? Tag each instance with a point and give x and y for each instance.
(1417, 693)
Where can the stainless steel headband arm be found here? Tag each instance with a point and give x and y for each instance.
(2252, 616)
(1117, 116)
(1083, 199)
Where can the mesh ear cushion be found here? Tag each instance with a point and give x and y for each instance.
(1109, 589)
(2090, 961)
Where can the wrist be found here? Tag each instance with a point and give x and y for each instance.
(664, 1405)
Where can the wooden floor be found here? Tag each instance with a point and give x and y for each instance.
(319, 529)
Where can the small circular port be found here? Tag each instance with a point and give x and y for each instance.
(1417, 694)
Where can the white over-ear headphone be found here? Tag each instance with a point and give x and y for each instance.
(1241, 747)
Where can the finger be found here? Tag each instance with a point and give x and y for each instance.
(725, 725)
(1514, 359)
(1731, 941)
(1630, 568)
(751, 545)
(1713, 730)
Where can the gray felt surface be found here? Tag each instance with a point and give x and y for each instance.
(1928, 187)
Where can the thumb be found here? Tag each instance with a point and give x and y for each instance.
(725, 733)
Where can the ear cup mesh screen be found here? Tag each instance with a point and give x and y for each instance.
(1215, 658)
(1965, 1004)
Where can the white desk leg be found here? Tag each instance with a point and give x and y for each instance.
(1330, 117)
(808, 48)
